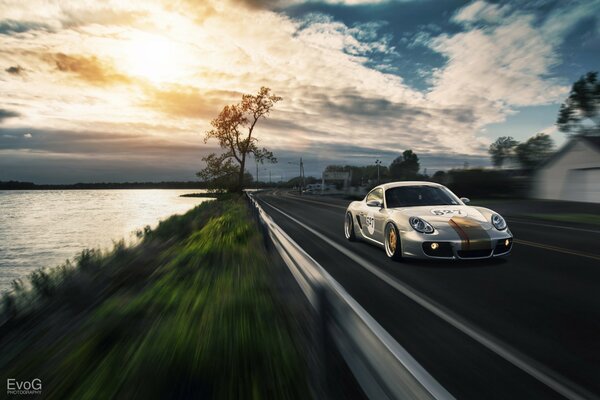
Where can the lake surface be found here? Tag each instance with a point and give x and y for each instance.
(43, 228)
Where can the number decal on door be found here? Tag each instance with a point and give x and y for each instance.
(370, 222)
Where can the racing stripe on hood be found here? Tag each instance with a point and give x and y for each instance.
(472, 234)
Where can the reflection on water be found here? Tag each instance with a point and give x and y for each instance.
(44, 228)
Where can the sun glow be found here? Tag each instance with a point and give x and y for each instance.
(155, 58)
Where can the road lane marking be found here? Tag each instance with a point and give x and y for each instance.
(520, 221)
(314, 201)
(550, 378)
(519, 241)
(557, 249)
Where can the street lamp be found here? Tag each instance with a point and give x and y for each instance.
(378, 163)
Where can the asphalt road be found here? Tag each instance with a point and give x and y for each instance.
(525, 327)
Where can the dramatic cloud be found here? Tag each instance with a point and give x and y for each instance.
(504, 59)
(5, 114)
(274, 4)
(481, 11)
(8, 26)
(89, 69)
(113, 145)
(142, 80)
(36, 155)
(189, 102)
(506, 64)
(15, 70)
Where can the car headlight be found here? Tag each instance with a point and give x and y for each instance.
(498, 222)
(420, 226)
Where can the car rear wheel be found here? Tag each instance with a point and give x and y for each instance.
(393, 246)
(349, 227)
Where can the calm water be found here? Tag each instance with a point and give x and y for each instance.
(44, 228)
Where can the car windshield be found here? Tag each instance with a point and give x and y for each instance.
(412, 196)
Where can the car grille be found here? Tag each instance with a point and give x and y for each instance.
(474, 253)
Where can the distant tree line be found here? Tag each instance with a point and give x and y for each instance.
(579, 114)
(528, 155)
(404, 167)
(470, 182)
(483, 183)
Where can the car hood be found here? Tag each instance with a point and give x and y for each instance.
(439, 216)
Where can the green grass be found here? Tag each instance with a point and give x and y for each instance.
(188, 312)
(591, 219)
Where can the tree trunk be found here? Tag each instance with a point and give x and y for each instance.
(241, 175)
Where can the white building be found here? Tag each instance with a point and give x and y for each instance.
(573, 173)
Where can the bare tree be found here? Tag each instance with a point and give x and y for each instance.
(234, 128)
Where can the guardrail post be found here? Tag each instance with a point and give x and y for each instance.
(323, 341)
(262, 224)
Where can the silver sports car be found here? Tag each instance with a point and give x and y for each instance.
(426, 220)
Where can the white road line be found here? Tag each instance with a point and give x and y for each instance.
(520, 221)
(288, 196)
(557, 249)
(546, 376)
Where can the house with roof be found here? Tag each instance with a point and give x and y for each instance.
(572, 173)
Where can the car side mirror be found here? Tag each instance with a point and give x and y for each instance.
(374, 203)
(465, 200)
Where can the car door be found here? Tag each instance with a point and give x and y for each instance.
(380, 216)
(371, 220)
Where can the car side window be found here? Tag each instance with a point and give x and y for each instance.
(376, 194)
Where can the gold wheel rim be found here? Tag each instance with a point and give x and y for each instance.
(392, 239)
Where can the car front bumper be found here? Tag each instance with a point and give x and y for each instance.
(418, 245)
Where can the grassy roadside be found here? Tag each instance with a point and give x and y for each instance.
(188, 312)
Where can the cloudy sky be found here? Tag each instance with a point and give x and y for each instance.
(124, 90)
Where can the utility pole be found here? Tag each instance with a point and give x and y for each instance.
(301, 165)
(378, 163)
(257, 174)
(270, 182)
(303, 184)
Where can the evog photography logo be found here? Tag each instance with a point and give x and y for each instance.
(14, 386)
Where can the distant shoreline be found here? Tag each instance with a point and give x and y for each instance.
(17, 185)
(210, 195)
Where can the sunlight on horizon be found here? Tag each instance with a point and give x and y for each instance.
(154, 57)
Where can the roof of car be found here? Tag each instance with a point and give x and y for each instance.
(390, 185)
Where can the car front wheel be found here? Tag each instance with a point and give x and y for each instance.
(393, 246)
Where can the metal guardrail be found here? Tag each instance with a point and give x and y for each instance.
(382, 367)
